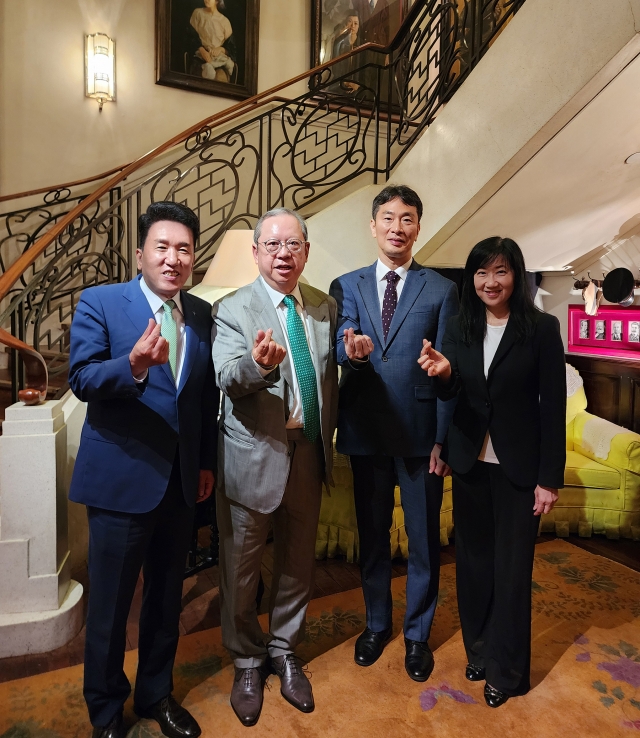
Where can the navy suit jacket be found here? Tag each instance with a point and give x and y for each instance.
(388, 406)
(131, 432)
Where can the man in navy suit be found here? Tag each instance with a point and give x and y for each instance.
(141, 359)
(390, 422)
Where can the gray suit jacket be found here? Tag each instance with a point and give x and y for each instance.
(253, 460)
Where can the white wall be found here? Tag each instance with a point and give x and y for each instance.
(532, 81)
(623, 251)
(50, 133)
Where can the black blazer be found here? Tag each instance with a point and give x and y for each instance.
(522, 403)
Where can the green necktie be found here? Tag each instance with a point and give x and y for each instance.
(169, 331)
(304, 370)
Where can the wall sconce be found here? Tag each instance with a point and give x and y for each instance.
(100, 68)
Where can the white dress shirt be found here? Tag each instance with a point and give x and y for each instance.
(296, 416)
(156, 303)
(382, 270)
(491, 342)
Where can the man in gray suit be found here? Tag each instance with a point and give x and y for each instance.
(274, 362)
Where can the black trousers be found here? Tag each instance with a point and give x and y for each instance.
(495, 538)
(120, 544)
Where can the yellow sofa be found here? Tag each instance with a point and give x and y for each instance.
(601, 492)
(338, 530)
(602, 475)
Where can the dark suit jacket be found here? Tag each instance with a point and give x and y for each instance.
(129, 439)
(522, 403)
(388, 406)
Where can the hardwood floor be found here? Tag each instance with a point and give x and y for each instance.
(201, 607)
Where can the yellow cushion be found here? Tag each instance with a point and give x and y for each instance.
(591, 498)
(625, 447)
(581, 471)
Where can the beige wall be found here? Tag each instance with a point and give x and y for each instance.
(50, 132)
(549, 62)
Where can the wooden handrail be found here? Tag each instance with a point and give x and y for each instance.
(65, 186)
(35, 366)
(35, 369)
(28, 258)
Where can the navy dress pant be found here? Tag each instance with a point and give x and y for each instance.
(120, 545)
(496, 533)
(374, 480)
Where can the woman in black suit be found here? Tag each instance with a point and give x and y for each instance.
(504, 360)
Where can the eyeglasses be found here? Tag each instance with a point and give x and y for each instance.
(272, 246)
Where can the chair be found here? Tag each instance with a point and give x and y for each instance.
(602, 474)
(338, 530)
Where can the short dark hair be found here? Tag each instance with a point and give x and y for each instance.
(391, 192)
(473, 313)
(167, 210)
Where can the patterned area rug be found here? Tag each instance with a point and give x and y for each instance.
(586, 671)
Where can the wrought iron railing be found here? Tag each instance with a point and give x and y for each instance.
(359, 116)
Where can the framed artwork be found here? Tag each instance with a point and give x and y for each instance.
(615, 331)
(208, 46)
(339, 26)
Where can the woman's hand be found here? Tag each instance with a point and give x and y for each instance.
(546, 498)
(204, 54)
(433, 362)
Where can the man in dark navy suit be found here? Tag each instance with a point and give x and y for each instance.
(141, 359)
(390, 422)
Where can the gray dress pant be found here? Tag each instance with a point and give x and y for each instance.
(243, 536)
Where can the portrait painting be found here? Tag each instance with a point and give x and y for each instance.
(601, 330)
(208, 46)
(584, 329)
(634, 331)
(616, 330)
(340, 26)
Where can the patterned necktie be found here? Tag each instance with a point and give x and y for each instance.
(389, 302)
(305, 371)
(169, 331)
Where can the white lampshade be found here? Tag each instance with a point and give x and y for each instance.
(100, 67)
(232, 267)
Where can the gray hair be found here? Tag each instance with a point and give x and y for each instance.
(272, 214)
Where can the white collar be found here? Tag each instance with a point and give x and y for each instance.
(382, 270)
(277, 297)
(156, 302)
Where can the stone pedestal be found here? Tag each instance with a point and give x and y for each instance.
(39, 610)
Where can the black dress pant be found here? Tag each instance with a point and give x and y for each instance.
(495, 532)
(120, 544)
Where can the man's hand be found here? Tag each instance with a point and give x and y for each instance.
(266, 352)
(433, 362)
(205, 485)
(436, 465)
(546, 498)
(151, 349)
(355, 346)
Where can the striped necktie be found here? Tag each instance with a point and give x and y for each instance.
(169, 331)
(305, 371)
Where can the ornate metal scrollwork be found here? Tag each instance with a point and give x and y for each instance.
(357, 119)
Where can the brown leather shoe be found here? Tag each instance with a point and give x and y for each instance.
(294, 685)
(246, 694)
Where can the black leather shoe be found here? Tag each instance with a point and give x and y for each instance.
(115, 729)
(418, 660)
(247, 693)
(494, 697)
(370, 645)
(294, 685)
(474, 673)
(173, 719)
